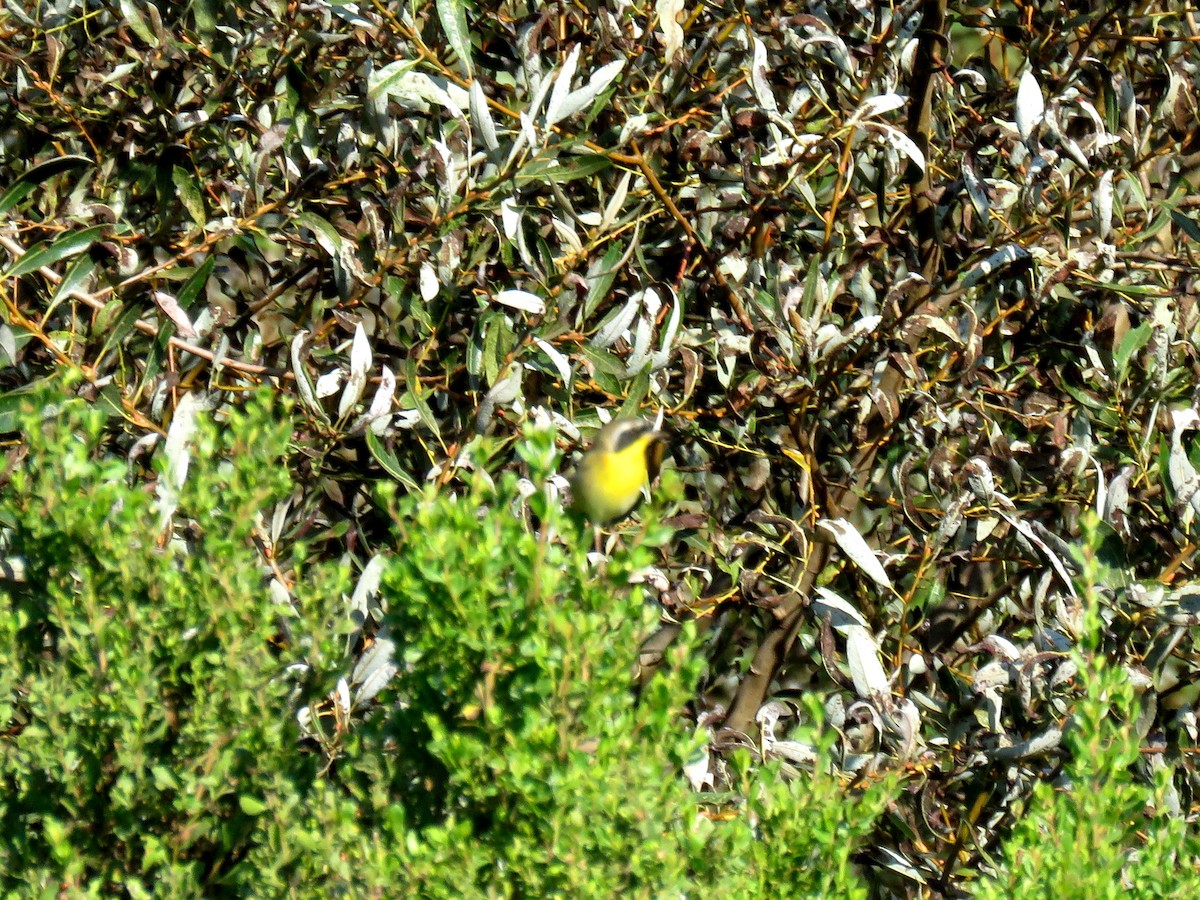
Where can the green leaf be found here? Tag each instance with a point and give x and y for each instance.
(453, 16)
(497, 343)
(601, 281)
(559, 169)
(251, 806)
(120, 326)
(1133, 341)
(137, 22)
(327, 236)
(70, 244)
(390, 463)
(77, 274)
(24, 185)
(195, 283)
(190, 195)
(1186, 224)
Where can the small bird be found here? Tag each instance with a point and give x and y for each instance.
(625, 456)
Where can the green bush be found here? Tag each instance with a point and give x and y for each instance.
(152, 745)
(148, 716)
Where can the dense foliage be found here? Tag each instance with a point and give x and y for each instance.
(911, 283)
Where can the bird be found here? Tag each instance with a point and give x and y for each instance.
(625, 456)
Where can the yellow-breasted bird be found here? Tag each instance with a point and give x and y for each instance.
(625, 456)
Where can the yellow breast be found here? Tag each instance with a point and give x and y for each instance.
(608, 483)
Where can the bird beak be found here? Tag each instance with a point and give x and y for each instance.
(656, 449)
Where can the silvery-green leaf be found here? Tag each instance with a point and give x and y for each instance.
(278, 593)
(567, 233)
(1030, 105)
(1184, 479)
(177, 454)
(842, 614)
(981, 480)
(1006, 255)
(132, 13)
(900, 141)
(304, 384)
(1055, 563)
(453, 16)
(619, 323)
(904, 720)
(427, 281)
(1116, 503)
(562, 87)
(481, 117)
(698, 771)
(363, 600)
(328, 384)
(1102, 205)
(862, 657)
(374, 669)
(856, 548)
(977, 81)
(585, 96)
(176, 314)
(612, 209)
(975, 188)
(794, 752)
(660, 359)
(877, 106)
(1035, 746)
(510, 217)
(381, 405)
(360, 364)
(643, 332)
(668, 23)
(341, 697)
(279, 519)
(633, 127)
(415, 90)
(992, 711)
(759, 81)
(893, 861)
(522, 300)
(557, 359)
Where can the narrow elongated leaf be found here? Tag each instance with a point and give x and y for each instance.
(29, 180)
(65, 246)
(856, 548)
(562, 87)
(862, 655)
(304, 385)
(360, 364)
(1102, 203)
(522, 300)
(453, 16)
(585, 96)
(1030, 105)
(481, 117)
(841, 612)
(877, 106)
(668, 23)
(77, 275)
(1005, 256)
(363, 600)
